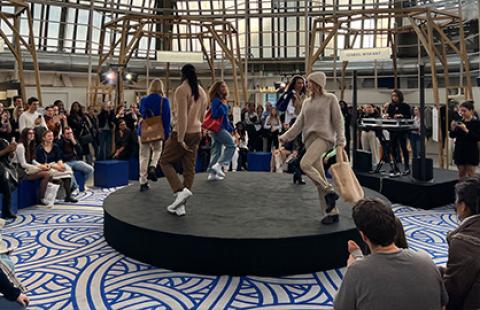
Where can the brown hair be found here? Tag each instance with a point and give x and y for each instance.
(214, 91)
(29, 146)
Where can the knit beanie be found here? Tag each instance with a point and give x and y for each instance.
(319, 78)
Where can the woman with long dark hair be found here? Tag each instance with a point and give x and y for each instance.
(223, 146)
(25, 156)
(467, 134)
(272, 126)
(191, 102)
(291, 101)
(321, 123)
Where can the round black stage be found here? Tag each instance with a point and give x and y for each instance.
(250, 223)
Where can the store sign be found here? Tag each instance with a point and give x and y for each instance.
(366, 54)
(180, 57)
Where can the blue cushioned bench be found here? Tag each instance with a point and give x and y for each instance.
(259, 161)
(110, 173)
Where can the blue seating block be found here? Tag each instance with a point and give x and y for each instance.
(133, 168)
(110, 173)
(259, 161)
(80, 177)
(27, 194)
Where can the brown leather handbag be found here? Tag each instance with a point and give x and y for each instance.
(152, 127)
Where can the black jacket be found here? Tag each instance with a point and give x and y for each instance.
(399, 108)
(104, 117)
(69, 151)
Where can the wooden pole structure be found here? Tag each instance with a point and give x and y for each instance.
(33, 52)
(447, 99)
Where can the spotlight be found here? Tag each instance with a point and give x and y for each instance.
(108, 77)
(128, 76)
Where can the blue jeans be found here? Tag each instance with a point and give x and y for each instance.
(81, 166)
(219, 140)
(415, 143)
(105, 144)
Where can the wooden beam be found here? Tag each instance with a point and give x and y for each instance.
(324, 44)
(33, 52)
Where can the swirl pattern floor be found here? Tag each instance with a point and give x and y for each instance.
(65, 262)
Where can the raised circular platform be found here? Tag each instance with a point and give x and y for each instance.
(250, 223)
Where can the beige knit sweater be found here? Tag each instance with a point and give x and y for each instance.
(187, 114)
(320, 117)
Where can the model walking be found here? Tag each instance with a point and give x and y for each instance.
(155, 104)
(221, 140)
(190, 105)
(321, 122)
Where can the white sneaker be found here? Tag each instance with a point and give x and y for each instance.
(181, 211)
(180, 199)
(75, 192)
(214, 177)
(49, 205)
(218, 169)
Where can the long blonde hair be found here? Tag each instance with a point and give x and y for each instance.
(156, 87)
(319, 89)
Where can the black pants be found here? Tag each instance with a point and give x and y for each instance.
(6, 190)
(242, 159)
(272, 140)
(399, 139)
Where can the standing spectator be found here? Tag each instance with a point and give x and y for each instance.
(390, 277)
(369, 136)
(191, 101)
(78, 123)
(72, 156)
(106, 124)
(6, 131)
(415, 134)
(347, 117)
(60, 106)
(17, 111)
(204, 151)
(132, 117)
(155, 104)
(31, 118)
(272, 126)
(252, 122)
(25, 155)
(49, 153)
(123, 142)
(223, 146)
(8, 181)
(466, 134)
(462, 275)
(92, 123)
(18, 102)
(241, 140)
(262, 140)
(54, 123)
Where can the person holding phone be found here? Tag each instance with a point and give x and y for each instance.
(467, 134)
(31, 118)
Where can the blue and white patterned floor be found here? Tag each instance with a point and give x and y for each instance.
(65, 262)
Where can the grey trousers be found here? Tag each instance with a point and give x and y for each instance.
(155, 148)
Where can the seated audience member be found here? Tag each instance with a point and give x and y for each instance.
(123, 142)
(390, 277)
(25, 155)
(50, 154)
(72, 156)
(10, 287)
(462, 275)
(8, 180)
(31, 118)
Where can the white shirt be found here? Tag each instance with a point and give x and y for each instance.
(27, 120)
(290, 112)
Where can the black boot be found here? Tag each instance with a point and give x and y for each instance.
(68, 190)
(7, 208)
(152, 174)
(406, 170)
(330, 219)
(331, 200)
(144, 187)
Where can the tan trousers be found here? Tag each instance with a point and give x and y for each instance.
(312, 166)
(371, 143)
(145, 149)
(174, 153)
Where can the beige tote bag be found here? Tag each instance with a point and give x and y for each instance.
(345, 179)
